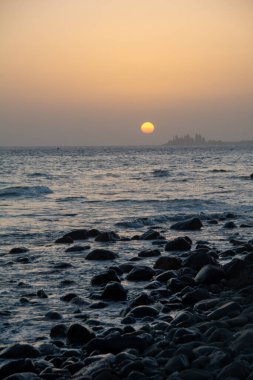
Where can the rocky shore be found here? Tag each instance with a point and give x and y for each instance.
(191, 317)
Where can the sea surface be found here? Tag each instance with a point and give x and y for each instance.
(46, 192)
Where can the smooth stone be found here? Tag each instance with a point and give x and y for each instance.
(126, 268)
(178, 244)
(168, 263)
(93, 233)
(64, 240)
(219, 335)
(21, 365)
(58, 331)
(184, 319)
(197, 260)
(77, 248)
(18, 250)
(68, 297)
(143, 311)
(98, 305)
(177, 363)
(140, 273)
(62, 265)
(105, 277)
(141, 299)
(209, 274)
(81, 234)
(42, 294)
(206, 305)
(53, 315)
(149, 253)
(79, 301)
(128, 320)
(177, 284)
(251, 176)
(114, 291)
(195, 374)
(193, 224)
(238, 369)
(23, 376)
(242, 341)
(107, 237)
(165, 276)
(101, 254)
(195, 296)
(78, 335)
(150, 235)
(229, 225)
(228, 309)
(20, 350)
(242, 278)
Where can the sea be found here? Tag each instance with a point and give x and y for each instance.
(46, 192)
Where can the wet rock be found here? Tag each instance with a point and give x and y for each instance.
(229, 225)
(177, 363)
(68, 297)
(196, 374)
(126, 268)
(228, 309)
(140, 273)
(107, 237)
(114, 291)
(42, 294)
(105, 277)
(184, 319)
(195, 296)
(143, 311)
(242, 278)
(78, 335)
(193, 224)
(62, 265)
(78, 248)
(22, 365)
(23, 376)
(177, 284)
(251, 176)
(141, 299)
(239, 369)
(242, 341)
(79, 301)
(178, 244)
(93, 233)
(64, 240)
(197, 260)
(18, 350)
(81, 234)
(101, 254)
(58, 331)
(54, 315)
(18, 250)
(168, 263)
(165, 276)
(209, 274)
(98, 305)
(150, 235)
(149, 253)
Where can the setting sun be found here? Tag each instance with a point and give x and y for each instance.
(147, 127)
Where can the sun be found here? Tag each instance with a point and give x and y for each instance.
(147, 127)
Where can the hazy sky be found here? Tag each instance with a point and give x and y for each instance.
(89, 72)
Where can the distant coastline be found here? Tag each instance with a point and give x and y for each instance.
(199, 140)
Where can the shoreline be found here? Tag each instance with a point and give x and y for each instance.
(184, 308)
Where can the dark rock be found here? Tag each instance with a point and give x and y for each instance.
(168, 263)
(165, 276)
(242, 278)
(140, 273)
(23, 376)
(114, 291)
(62, 265)
(143, 311)
(101, 254)
(193, 224)
(18, 250)
(196, 374)
(184, 319)
(178, 244)
(105, 277)
(197, 260)
(77, 248)
(64, 240)
(78, 335)
(209, 274)
(242, 341)
(177, 363)
(177, 284)
(41, 294)
(251, 176)
(234, 267)
(229, 225)
(195, 296)
(107, 237)
(126, 268)
(149, 253)
(228, 309)
(22, 365)
(81, 234)
(68, 297)
(150, 235)
(239, 369)
(141, 299)
(93, 233)
(58, 331)
(53, 315)
(98, 305)
(19, 350)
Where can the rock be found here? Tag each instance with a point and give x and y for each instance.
(150, 235)
(242, 278)
(68, 297)
(62, 265)
(18, 250)
(126, 268)
(196, 374)
(64, 240)
(78, 335)
(178, 244)
(140, 273)
(228, 309)
(197, 260)
(141, 299)
(143, 311)
(58, 331)
(77, 248)
(53, 315)
(209, 274)
(149, 253)
(105, 277)
(184, 319)
(93, 233)
(177, 363)
(114, 291)
(81, 234)
(229, 225)
(19, 350)
(193, 224)
(165, 276)
(21, 365)
(41, 294)
(168, 263)
(242, 341)
(238, 369)
(195, 296)
(107, 237)
(251, 176)
(101, 254)
(23, 376)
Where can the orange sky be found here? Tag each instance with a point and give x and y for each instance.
(121, 58)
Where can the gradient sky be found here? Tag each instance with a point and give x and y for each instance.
(89, 72)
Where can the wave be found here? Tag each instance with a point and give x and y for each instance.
(25, 191)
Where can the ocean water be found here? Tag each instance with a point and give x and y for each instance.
(46, 192)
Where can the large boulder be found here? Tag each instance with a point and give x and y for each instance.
(19, 350)
(143, 311)
(179, 244)
(193, 224)
(78, 335)
(198, 259)
(101, 254)
(209, 274)
(168, 263)
(114, 291)
(105, 277)
(140, 273)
